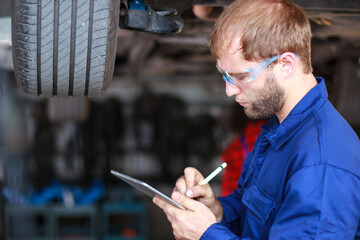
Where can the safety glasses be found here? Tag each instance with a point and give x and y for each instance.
(246, 76)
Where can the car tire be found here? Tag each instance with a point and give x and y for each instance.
(64, 47)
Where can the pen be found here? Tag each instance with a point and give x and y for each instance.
(213, 174)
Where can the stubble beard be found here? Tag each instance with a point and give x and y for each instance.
(269, 100)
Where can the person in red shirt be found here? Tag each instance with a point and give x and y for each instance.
(236, 152)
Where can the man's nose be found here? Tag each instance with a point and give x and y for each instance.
(231, 90)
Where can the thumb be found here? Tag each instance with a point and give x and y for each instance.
(188, 203)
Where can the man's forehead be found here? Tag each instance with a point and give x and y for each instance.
(231, 55)
(232, 48)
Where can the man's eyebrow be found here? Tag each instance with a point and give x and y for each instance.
(242, 73)
(238, 73)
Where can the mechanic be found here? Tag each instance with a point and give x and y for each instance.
(302, 179)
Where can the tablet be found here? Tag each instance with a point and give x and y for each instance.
(145, 188)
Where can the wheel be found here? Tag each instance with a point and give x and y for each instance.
(344, 93)
(64, 47)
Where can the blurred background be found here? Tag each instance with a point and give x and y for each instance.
(165, 109)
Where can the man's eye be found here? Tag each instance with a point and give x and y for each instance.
(240, 77)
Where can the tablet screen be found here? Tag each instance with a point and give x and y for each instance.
(145, 188)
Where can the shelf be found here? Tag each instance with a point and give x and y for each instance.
(123, 221)
(109, 221)
(31, 223)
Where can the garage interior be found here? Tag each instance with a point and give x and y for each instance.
(165, 109)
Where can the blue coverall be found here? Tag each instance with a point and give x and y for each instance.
(301, 181)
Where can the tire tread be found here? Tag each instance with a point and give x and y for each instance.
(64, 49)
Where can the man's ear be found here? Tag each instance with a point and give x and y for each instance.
(288, 63)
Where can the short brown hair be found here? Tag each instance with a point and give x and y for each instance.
(268, 28)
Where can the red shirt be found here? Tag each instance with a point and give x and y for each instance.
(234, 155)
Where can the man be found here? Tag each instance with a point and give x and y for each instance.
(302, 179)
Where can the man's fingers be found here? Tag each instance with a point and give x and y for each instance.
(165, 206)
(158, 202)
(192, 177)
(197, 191)
(188, 203)
(180, 185)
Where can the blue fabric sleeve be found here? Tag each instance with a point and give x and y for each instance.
(218, 231)
(320, 202)
(232, 207)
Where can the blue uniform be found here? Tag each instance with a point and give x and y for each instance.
(301, 181)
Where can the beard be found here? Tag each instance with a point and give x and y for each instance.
(269, 100)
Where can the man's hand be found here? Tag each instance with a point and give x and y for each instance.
(189, 185)
(190, 223)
